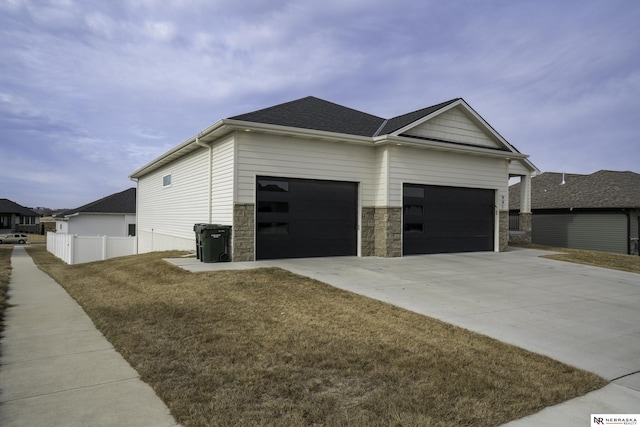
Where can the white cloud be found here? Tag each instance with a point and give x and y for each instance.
(160, 31)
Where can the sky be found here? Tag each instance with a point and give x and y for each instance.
(92, 90)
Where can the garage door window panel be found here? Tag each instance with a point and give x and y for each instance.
(273, 207)
(273, 186)
(273, 228)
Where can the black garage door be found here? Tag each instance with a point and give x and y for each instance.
(298, 218)
(447, 219)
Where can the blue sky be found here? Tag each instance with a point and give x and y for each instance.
(92, 90)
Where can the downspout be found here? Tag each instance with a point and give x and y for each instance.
(210, 175)
(628, 214)
(137, 210)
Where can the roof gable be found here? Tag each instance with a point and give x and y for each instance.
(400, 122)
(454, 122)
(600, 190)
(119, 203)
(317, 114)
(454, 126)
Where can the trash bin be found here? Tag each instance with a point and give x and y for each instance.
(198, 230)
(215, 243)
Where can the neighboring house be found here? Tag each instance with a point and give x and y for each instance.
(15, 218)
(313, 178)
(599, 211)
(114, 215)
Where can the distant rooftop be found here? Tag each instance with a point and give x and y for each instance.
(602, 189)
(123, 202)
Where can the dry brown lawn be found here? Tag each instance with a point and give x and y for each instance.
(267, 347)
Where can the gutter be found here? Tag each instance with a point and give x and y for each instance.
(628, 214)
(175, 152)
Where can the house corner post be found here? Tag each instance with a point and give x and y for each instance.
(525, 216)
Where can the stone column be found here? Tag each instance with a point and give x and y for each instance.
(525, 226)
(367, 232)
(503, 231)
(388, 232)
(525, 208)
(243, 240)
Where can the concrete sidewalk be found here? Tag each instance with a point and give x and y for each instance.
(57, 369)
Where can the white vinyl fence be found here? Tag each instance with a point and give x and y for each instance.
(74, 249)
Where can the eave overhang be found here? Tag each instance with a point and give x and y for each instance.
(409, 141)
(227, 126)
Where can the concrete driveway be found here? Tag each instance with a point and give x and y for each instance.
(585, 316)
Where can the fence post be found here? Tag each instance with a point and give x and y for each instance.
(72, 249)
(104, 247)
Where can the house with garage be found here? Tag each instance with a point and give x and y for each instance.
(16, 218)
(113, 215)
(600, 211)
(311, 178)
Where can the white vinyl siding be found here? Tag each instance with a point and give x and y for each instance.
(166, 214)
(517, 167)
(593, 231)
(222, 182)
(417, 166)
(454, 125)
(282, 156)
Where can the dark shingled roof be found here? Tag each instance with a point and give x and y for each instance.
(602, 189)
(122, 203)
(9, 207)
(318, 114)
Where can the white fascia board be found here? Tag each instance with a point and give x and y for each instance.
(446, 146)
(297, 132)
(104, 213)
(534, 169)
